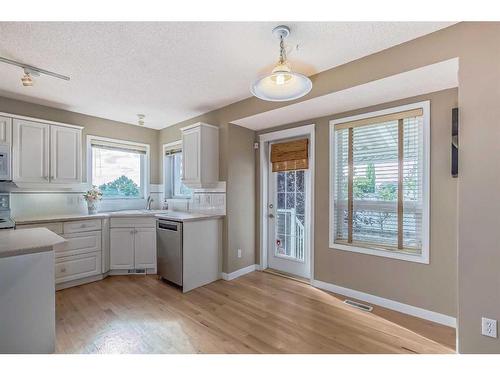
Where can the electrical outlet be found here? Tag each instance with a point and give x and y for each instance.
(239, 253)
(489, 327)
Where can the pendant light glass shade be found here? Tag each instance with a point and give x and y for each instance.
(282, 84)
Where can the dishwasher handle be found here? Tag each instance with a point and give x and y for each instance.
(168, 226)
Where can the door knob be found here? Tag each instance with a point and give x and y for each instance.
(271, 216)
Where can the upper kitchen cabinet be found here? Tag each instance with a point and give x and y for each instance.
(65, 154)
(30, 151)
(5, 130)
(46, 154)
(200, 153)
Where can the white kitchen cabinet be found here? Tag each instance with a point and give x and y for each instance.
(5, 130)
(30, 151)
(200, 155)
(121, 248)
(132, 248)
(145, 248)
(65, 154)
(45, 153)
(77, 267)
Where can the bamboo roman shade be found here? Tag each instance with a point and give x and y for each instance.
(289, 156)
(378, 192)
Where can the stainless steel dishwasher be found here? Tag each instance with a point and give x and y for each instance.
(169, 244)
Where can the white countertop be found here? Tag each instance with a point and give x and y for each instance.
(164, 214)
(27, 241)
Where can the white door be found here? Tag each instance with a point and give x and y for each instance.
(121, 250)
(5, 130)
(30, 151)
(191, 156)
(65, 154)
(145, 248)
(289, 222)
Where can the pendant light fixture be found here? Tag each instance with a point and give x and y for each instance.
(282, 84)
(140, 120)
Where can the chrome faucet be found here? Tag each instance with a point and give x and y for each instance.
(148, 202)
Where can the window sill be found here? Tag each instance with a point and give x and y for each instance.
(422, 258)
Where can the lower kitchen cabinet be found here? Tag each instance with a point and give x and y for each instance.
(77, 266)
(145, 248)
(121, 251)
(132, 248)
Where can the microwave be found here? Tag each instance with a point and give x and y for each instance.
(5, 162)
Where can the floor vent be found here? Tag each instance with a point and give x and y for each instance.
(138, 271)
(358, 305)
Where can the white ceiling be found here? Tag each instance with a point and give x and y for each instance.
(430, 78)
(172, 71)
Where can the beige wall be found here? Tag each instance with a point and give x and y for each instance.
(236, 167)
(432, 287)
(92, 126)
(476, 45)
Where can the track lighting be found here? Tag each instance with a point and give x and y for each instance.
(27, 80)
(31, 71)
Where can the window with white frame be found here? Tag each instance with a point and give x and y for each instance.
(118, 168)
(174, 188)
(379, 171)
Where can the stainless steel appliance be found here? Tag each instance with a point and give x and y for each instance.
(169, 245)
(5, 161)
(5, 220)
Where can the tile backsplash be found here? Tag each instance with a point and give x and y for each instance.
(35, 204)
(40, 204)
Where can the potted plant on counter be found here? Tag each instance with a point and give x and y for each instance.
(93, 196)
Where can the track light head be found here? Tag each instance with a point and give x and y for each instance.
(27, 80)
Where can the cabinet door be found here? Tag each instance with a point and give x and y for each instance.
(191, 156)
(30, 151)
(145, 248)
(65, 154)
(121, 248)
(5, 130)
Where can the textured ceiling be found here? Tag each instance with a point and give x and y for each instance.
(172, 71)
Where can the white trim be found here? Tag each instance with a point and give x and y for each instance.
(424, 257)
(264, 139)
(36, 119)
(147, 163)
(418, 312)
(240, 272)
(171, 145)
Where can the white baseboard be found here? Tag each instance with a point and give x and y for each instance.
(238, 273)
(388, 303)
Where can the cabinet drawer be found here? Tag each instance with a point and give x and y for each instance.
(82, 226)
(54, 227)
(133, 222)
(77, 266)
(79, 243)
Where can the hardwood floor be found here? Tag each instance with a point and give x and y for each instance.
(256, 313)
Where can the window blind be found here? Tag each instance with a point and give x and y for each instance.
(289, 156)
(378, 193)
(112, 145)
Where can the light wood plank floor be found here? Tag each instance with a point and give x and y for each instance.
(256, 313)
